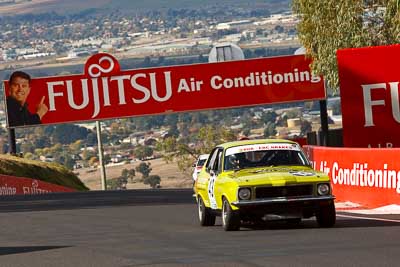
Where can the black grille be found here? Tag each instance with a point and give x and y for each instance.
(284, 191)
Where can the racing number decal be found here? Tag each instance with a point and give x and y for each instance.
(211, 195)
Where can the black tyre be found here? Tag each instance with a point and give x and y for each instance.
(326, 216)
(206, 217)
(230, 218)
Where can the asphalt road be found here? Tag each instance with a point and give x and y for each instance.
(138, 228)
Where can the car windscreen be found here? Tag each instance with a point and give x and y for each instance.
(263, 156)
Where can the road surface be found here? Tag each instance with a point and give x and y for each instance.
(160, 228)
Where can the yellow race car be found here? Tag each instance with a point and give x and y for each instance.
(261, 180)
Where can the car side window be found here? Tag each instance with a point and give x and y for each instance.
(211, 160)
(218, 163)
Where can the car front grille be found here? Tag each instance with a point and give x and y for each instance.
(284, 191)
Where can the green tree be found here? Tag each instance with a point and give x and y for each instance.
(128, 173)
(117, 184)
(131, 174)
(74, 133)
(270, 130)
(293, 114)
(153, 181)
(305, 127)
(27, 147)
(144, 169)
(142, 152)
(125, 173)
(269, 116)
(328, 25)
(87, 154)
(29, 155)
(210, 136)
(75, 147)
(39, 151)
(146, 62)
(246, 132)
(92, 161)
(207, 138)
(69, 162)
(173, 130)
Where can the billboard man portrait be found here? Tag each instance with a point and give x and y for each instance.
(17, 107)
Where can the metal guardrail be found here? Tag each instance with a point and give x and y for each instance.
(77, 200)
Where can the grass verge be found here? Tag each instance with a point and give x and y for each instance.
(47, 172)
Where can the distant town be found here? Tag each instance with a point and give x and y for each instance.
(60, 38)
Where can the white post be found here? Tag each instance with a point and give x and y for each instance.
(101, 152)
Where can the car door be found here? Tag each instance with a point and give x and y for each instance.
(218, 179)
(214, 169)
(203, 179)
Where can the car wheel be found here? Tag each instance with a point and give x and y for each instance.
(230, 218)
(326, 216)
(206, 217)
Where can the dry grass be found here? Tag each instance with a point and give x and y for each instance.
(47, 172)
(170, 175)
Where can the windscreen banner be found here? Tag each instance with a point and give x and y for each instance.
(11, 185)
(368, 177)
(369, 90)
(104, 91)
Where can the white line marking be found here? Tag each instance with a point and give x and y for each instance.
(367, 218)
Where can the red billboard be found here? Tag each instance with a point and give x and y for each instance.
(12, 185)
(370, 177)
(104, 91)
(369, 89)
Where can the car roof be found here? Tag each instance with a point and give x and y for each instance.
(204, 156)
(255, 141)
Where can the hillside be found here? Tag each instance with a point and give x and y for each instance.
(171, 176)
(47, 172)
(76, 6)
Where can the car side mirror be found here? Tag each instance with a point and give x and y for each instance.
(194, 165)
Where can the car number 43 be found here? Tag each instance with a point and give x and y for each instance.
(211, 195)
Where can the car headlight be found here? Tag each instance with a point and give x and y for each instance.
(244, 193)
(323, 189)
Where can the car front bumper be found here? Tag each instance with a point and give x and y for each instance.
(283, 200)
(283, 207)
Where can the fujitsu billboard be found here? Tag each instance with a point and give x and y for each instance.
(369, 89)
(104, 91)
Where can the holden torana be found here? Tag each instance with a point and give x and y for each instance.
(262, 180)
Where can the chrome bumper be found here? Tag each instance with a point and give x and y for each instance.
(281, 200)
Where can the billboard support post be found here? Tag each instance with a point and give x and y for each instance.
(12, 149)
(101, 153)
(324, 122)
